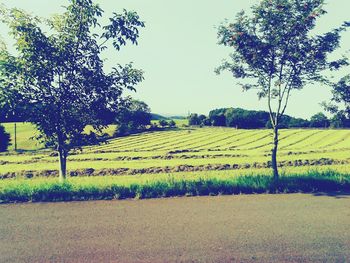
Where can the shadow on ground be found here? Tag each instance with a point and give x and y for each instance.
(339, 194)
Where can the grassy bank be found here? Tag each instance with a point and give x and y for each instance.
(48, 189)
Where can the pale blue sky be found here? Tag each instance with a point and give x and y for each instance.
(178, 51)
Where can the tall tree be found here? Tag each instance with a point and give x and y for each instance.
(340, 102)
(62, 73)
(10, 98)
(276, 54)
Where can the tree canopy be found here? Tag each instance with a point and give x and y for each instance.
(340, 102)
(60, 73)
(274, 51)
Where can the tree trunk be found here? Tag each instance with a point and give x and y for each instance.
(15, 137)
(274, 153)
(63, 164)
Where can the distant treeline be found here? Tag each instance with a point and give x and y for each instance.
(250, 119)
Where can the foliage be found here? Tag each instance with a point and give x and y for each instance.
(273, 48)
(218, 120)
(193, 119)
(298, 123)
(172, 123)
(340, 103)
(133, 118)
(4, 139)
(250, 119)
(11, 105)
(319, 120)
(61, 75)
(163, 123)
(340, 120)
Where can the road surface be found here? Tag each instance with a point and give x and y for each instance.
(245, 228)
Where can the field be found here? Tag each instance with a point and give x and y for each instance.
(191, 160)
(188, 150)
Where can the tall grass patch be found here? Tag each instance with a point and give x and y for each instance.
(107, 188)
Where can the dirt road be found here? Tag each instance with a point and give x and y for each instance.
(247, 228)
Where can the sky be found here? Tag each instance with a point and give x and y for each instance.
(178, 52)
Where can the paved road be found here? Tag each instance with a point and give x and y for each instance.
(248, 228)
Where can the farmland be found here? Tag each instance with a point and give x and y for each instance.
(187, 151)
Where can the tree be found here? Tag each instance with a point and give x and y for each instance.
(4, 139)
(193, 119)
(218, 120)
(10, 99)
(276, 54)
(340, 102)
(172, 124)
(163, 123)
(298, 123)
(133, 118)
(61, 74)
(206, 122)
(340, 120)
(319, 120)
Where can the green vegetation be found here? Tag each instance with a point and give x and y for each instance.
(167, 185)
(26, 133)
(278, 60)
(4, 139)
(59, 76)
(58, 82)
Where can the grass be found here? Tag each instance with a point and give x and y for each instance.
(27, 131)
(97, 188)
(188, 161)
(25, 134)
(191, 147)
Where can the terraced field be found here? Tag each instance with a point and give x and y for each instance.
(193, 150)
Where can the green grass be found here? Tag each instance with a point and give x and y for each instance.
(25, 136)
(96, 188)
(27, 131)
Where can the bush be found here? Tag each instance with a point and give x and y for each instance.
(163, 123)
(4, 139)
(172, 124)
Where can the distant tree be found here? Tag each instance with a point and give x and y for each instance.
(141, 113)
(216, 112)
(273, 47)
(298, 123)
(4, 139)
(340, 120)
(193, 119)
(61, 74)
(218, 120)
(10, 98)
(163, 123)
(135, 116)
(206, 122)
(340, 102)
(201, 118)
(319, 120)
(172, 124)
